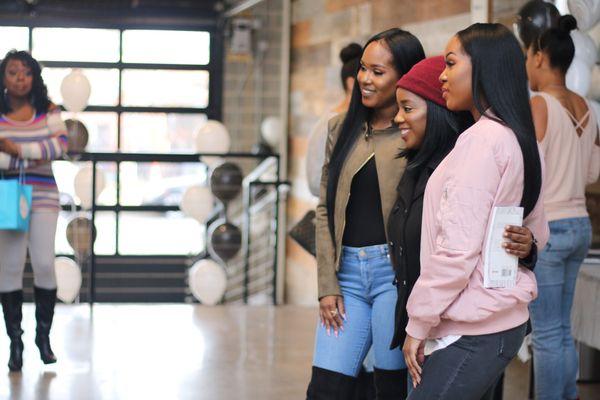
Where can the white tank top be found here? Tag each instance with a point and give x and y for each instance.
(572, 160)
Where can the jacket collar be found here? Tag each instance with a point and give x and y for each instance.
(413, 183)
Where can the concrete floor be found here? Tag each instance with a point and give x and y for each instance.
(180, 352)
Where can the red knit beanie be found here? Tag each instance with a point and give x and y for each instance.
(423, 79)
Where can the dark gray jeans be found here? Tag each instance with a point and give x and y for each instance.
(466, 369)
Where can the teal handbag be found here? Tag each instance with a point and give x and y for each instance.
(15, 203)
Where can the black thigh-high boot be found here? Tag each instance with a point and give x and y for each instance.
(12, 304)
(329, 385)
(45, 299)
(390, 384)
(365, 386)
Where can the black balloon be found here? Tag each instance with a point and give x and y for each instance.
(226, 181)
(262, 149)
(225, 240)
(77, 134)
(535, 17)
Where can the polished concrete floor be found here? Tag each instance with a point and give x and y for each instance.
(172, 352)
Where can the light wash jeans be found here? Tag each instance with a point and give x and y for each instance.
(366, 280)
(555, 357)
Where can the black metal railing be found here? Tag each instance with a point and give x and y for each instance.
(118, 158)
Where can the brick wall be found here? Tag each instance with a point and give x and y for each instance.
(246, 102)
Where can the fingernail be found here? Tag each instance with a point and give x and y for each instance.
(342, 327)
(328, 332)
(336, 333)
(344, 316)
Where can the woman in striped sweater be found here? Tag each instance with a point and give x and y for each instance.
(32, 134)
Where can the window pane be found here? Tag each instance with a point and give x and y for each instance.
(76, 44)
(13, 37)
(168, 233)
(158, 183)
(164, 88)
(65, 171)
(105, 233)
(159, 132)
(102, 129)
(166, 47)
(104, 82)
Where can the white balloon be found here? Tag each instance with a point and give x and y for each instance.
(68, 279)
(586, 12)
(213, 161)
(83, 185)
(596, 108)
(75, 89)
(270, 129)
(585, 47)
(594, 92)
(212, 137)
(579, 77)
(207, 281)
(197, 202)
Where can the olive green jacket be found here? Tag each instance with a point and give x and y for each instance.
(384, 145)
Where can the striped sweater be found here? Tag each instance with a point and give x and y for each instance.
(41, 139)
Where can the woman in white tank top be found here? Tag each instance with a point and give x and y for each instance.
(567, 132)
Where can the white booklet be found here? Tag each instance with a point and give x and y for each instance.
(499, 267)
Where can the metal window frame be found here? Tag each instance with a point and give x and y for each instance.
(214, 68)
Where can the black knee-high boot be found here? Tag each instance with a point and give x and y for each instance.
(45, 300)
(12, 304)
(390, 385)
(329, 385)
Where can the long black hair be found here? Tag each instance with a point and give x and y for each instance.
(39, 92)
(441, 132)
(406, 51)
(557, 43)
(500, 81)
(350, 56)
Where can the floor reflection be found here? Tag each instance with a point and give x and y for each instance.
(179, 352)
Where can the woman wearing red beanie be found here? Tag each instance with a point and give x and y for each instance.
(430, 131)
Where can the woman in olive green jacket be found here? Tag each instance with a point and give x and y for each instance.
(358, 188)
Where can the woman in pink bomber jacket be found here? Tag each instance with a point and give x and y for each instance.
(461, 335)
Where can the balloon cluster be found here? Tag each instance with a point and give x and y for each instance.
(538, 15)
(75, 89)
(207, 278)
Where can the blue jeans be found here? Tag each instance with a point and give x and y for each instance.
(555, 357)
(366, 280)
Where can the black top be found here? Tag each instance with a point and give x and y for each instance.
(404, 230)
(364, 217)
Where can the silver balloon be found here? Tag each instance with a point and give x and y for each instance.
(78, 236)
(78, 135)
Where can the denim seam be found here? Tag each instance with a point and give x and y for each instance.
(358, 362)
(453, 377)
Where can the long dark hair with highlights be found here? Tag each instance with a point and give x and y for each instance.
(406, 51)
(39, 92)
(500, 81)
